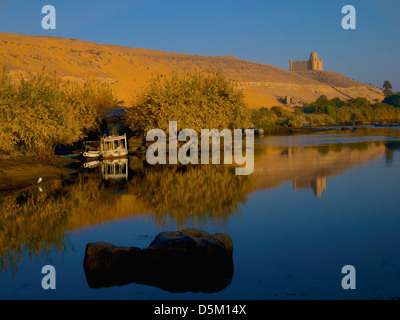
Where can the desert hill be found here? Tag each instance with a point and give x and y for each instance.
(127, 70)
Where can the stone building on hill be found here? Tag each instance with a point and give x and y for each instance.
(314, 63)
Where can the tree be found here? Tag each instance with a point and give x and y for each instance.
(196, 100)
(393, 100)
(387, 86)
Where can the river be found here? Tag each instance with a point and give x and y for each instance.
(314, 204)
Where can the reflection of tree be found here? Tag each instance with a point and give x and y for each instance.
(339, 147)
(195, 194)
(34, 222)
(29, 223)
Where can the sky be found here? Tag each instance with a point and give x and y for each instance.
(264, 31)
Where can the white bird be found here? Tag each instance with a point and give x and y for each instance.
(39, 180)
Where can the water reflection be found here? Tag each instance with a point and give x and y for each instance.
(181, 261)
(391, 147)
(35, 223)
(318, 185)
(191, 195)
(308, 167)
(116, 169)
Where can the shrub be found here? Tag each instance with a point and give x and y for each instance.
(98, 95)
(40, 112)
(292, 122)
(195, 100)
(263, 118)
(274, 118)
(281, 112)
(357, 109)
(393, 100)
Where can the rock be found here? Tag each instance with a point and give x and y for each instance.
(181, 261)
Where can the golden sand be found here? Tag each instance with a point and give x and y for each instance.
(128, 70)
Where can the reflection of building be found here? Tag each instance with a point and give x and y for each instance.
(307, 164)
(110, 169)
(316, 184)
(314, 63)
(391, 147)
(114, 169)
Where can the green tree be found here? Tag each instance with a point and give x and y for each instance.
(387, 86)
(393, 100)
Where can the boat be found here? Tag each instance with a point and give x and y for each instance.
(90, 149)
(110, 147)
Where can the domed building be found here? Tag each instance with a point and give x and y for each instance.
(314, 63)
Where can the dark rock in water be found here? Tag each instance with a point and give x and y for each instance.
(181, 261)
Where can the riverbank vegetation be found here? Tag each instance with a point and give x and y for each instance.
(276, 117)
(196, 100)
(326, 111)
(39, 112)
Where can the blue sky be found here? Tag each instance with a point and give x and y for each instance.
(264, 31)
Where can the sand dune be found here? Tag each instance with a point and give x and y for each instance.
(128, 70)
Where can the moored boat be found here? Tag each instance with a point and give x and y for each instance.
(109, 147)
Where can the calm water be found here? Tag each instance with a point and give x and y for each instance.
(314, 204)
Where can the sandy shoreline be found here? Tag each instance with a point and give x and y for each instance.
(20, 173)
